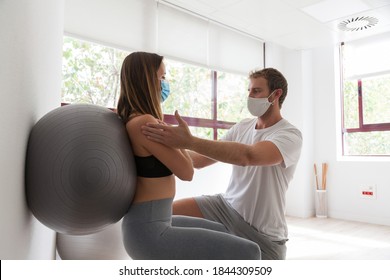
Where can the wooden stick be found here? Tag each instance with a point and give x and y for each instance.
(316, 175)
(324, 174)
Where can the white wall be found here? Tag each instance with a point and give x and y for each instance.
(298, 110)
(345, 177)
(30, 77)
(209, 180)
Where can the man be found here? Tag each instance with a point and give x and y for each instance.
(264, 152)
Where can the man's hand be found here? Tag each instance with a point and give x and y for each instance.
(172, 136)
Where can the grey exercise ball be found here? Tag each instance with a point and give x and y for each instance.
(80, 170)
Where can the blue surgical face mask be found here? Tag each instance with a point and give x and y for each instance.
(165, 90)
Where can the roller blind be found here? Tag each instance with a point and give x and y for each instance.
(149, 25)
(232, 51)
(125, 24)
(367, 57)
(181, 36)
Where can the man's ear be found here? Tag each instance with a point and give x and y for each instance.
(278, 92)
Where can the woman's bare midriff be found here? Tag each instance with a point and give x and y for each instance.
(149, 189)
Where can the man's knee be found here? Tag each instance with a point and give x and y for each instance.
(186, 207)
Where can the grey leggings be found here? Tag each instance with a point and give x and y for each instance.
(150, 232)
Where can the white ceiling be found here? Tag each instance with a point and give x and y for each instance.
(295, 24)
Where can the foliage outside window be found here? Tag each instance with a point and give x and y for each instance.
(209, 101)
(90, 73)
(366, 114)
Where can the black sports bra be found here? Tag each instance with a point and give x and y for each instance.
(151, 167)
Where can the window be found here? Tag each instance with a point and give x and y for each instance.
(366, 99)
(90, 73)
(210, 101)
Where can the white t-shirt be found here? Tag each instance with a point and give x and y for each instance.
(258, 193)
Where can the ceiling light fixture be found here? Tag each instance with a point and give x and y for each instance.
(358, 23)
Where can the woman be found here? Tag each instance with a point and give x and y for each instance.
(149, 230)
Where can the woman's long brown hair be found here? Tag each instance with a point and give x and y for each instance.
(140, 86)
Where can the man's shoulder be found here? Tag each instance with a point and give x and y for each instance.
(285, 124)
(285, 129)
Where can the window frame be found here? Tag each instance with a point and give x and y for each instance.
(363, 127)
(213, 123)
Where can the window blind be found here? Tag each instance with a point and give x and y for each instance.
(150, 25)
(367, 57)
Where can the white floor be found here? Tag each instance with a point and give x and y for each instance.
(332, 239)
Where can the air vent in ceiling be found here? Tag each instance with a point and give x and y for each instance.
(358, 23)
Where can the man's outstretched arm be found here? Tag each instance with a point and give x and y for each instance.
(261, 153)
